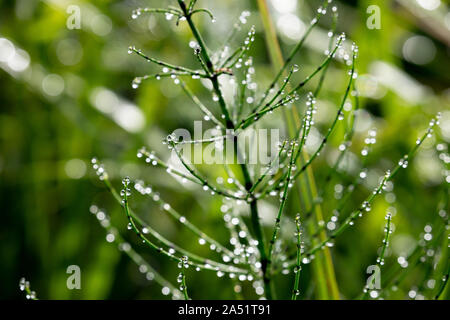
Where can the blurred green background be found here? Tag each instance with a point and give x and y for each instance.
(66, 96)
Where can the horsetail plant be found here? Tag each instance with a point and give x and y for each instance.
(252, 258)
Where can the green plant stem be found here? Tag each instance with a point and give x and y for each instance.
(282, 205)
(208, 63)
(25, 286)
(183, 279)
(324, 275)
(257, 228)
(165, 64)
(295, 291)
(380, 260)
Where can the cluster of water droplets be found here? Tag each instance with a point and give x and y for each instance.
(175, 78)
(433, 123)
(321, 10)
(370, 140)
(258, 286)
(310, 111)
(136, 82)
(24, 285)
(99, 169)
(183, 264)
(136, 13)
(403, 162)
(366, 205)
(388, 230)
(247, 44)
(244, 16)
(286, 101)
(340, 50)
(332, 223)
(300, 246)
(428, 235)
(330, 33)
(125, 192)
(245, 247)
(355, 50)
(444, 156)
(104, 221)
(132, 49)
(149, 157)
(385, 184)
(248, 81)
(141, 188)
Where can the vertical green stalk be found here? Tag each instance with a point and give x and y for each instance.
(182, 276)
(257, 228)
(256, 225)
(209, 64)
(323, 265)
(298, 267)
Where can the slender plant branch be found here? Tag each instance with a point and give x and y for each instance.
(380, 259)
(183, 265)
(24, 285)
(298, 267)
